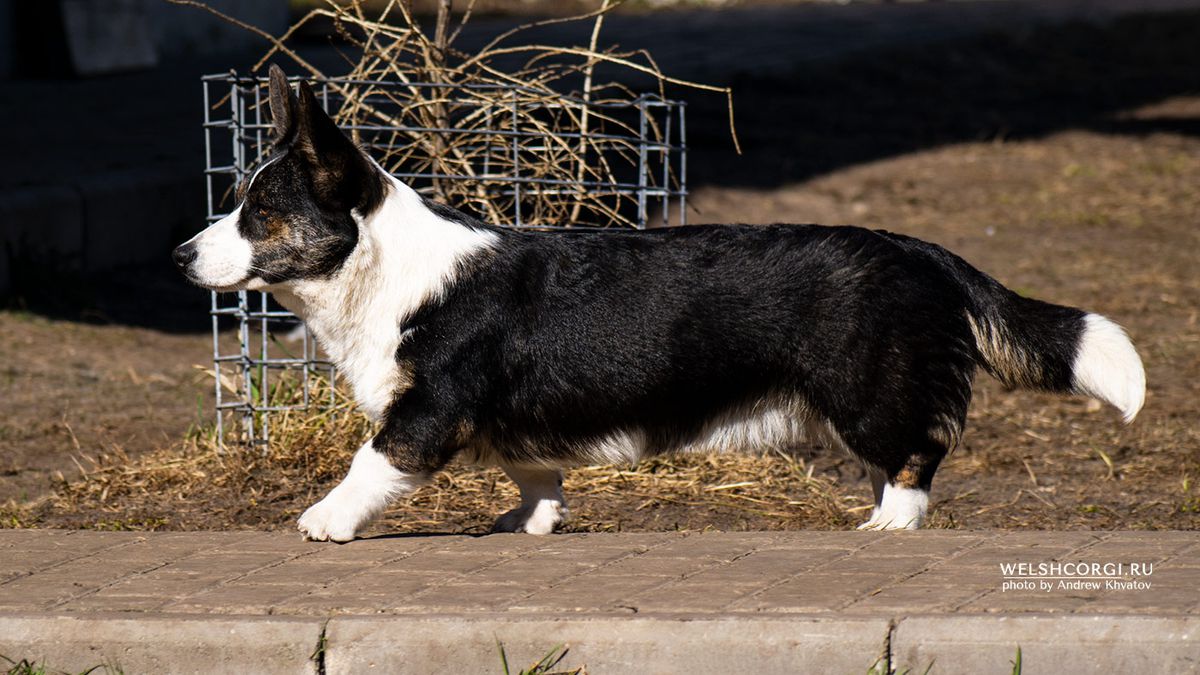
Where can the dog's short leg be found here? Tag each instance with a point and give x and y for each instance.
(901, 508)
(878, 483)
(372, 483)
(903, 501)
(542, 507)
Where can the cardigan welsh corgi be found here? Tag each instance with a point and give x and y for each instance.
(537, 351)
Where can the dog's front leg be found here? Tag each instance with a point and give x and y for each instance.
(417, 438)
(372, 483)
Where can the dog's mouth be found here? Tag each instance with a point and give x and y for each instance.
(240, 285)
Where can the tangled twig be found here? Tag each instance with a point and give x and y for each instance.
(510, 128)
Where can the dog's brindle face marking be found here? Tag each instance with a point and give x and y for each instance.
(297, 216)
(291, 235)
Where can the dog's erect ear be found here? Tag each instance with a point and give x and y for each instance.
(341, 174)
(315, 129)
(283, 105)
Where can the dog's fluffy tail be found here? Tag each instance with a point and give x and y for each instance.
(1034, 344)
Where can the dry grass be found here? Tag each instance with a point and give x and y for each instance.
(194, 485)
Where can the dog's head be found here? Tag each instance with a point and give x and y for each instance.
(298, 214)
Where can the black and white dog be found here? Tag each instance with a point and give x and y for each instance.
(536, 351)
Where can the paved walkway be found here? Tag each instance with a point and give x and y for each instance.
(688, 603)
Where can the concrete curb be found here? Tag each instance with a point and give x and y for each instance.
(681, 643)
(1048, 643)
(163, 644)
(622, 644)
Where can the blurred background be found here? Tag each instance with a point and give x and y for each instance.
(1052, 143)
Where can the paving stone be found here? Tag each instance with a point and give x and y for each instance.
(318, 604)
(588, 594)
(997, 602)
(304, 570)
(606, 545)
(160, 583)
(641, 565)
(897, 567)
(231, 564)
(708, 546)
(73, 579)
(693, 595)
(534, 570)
(446, 562)
(374, 551)
(238, 599)
(815, 592)
(455, 597)
(907, 598)
(121, 603)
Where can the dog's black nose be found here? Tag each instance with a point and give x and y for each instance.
(184, 254)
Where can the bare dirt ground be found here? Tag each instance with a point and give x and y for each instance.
(1097, 207)
(72, 388)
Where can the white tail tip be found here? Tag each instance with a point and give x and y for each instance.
(1108, 367)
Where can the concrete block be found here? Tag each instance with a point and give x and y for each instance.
(1049, 644)
(158, 644)
(613, 644)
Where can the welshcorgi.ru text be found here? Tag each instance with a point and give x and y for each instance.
(1044, 570)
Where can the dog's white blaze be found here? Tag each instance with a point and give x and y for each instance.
(542, 504)
(1108, 367)
(223, 256)
(405, 256)
(364, 493)
(901, 509)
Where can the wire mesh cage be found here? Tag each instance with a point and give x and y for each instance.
(508, 155)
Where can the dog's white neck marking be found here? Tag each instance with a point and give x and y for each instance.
(406, 255)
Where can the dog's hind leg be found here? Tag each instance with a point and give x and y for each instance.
(904, 499)
(542, 506)
(878, 478)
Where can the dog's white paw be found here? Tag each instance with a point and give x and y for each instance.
(876, 524)
(334, 518)
(540, 518)
(900, 509)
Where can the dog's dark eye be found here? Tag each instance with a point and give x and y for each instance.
(262, 213)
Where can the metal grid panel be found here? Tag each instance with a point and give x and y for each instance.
(268, 363)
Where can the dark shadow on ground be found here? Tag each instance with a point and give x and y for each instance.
(826, 116)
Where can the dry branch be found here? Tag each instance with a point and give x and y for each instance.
(508, 129)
